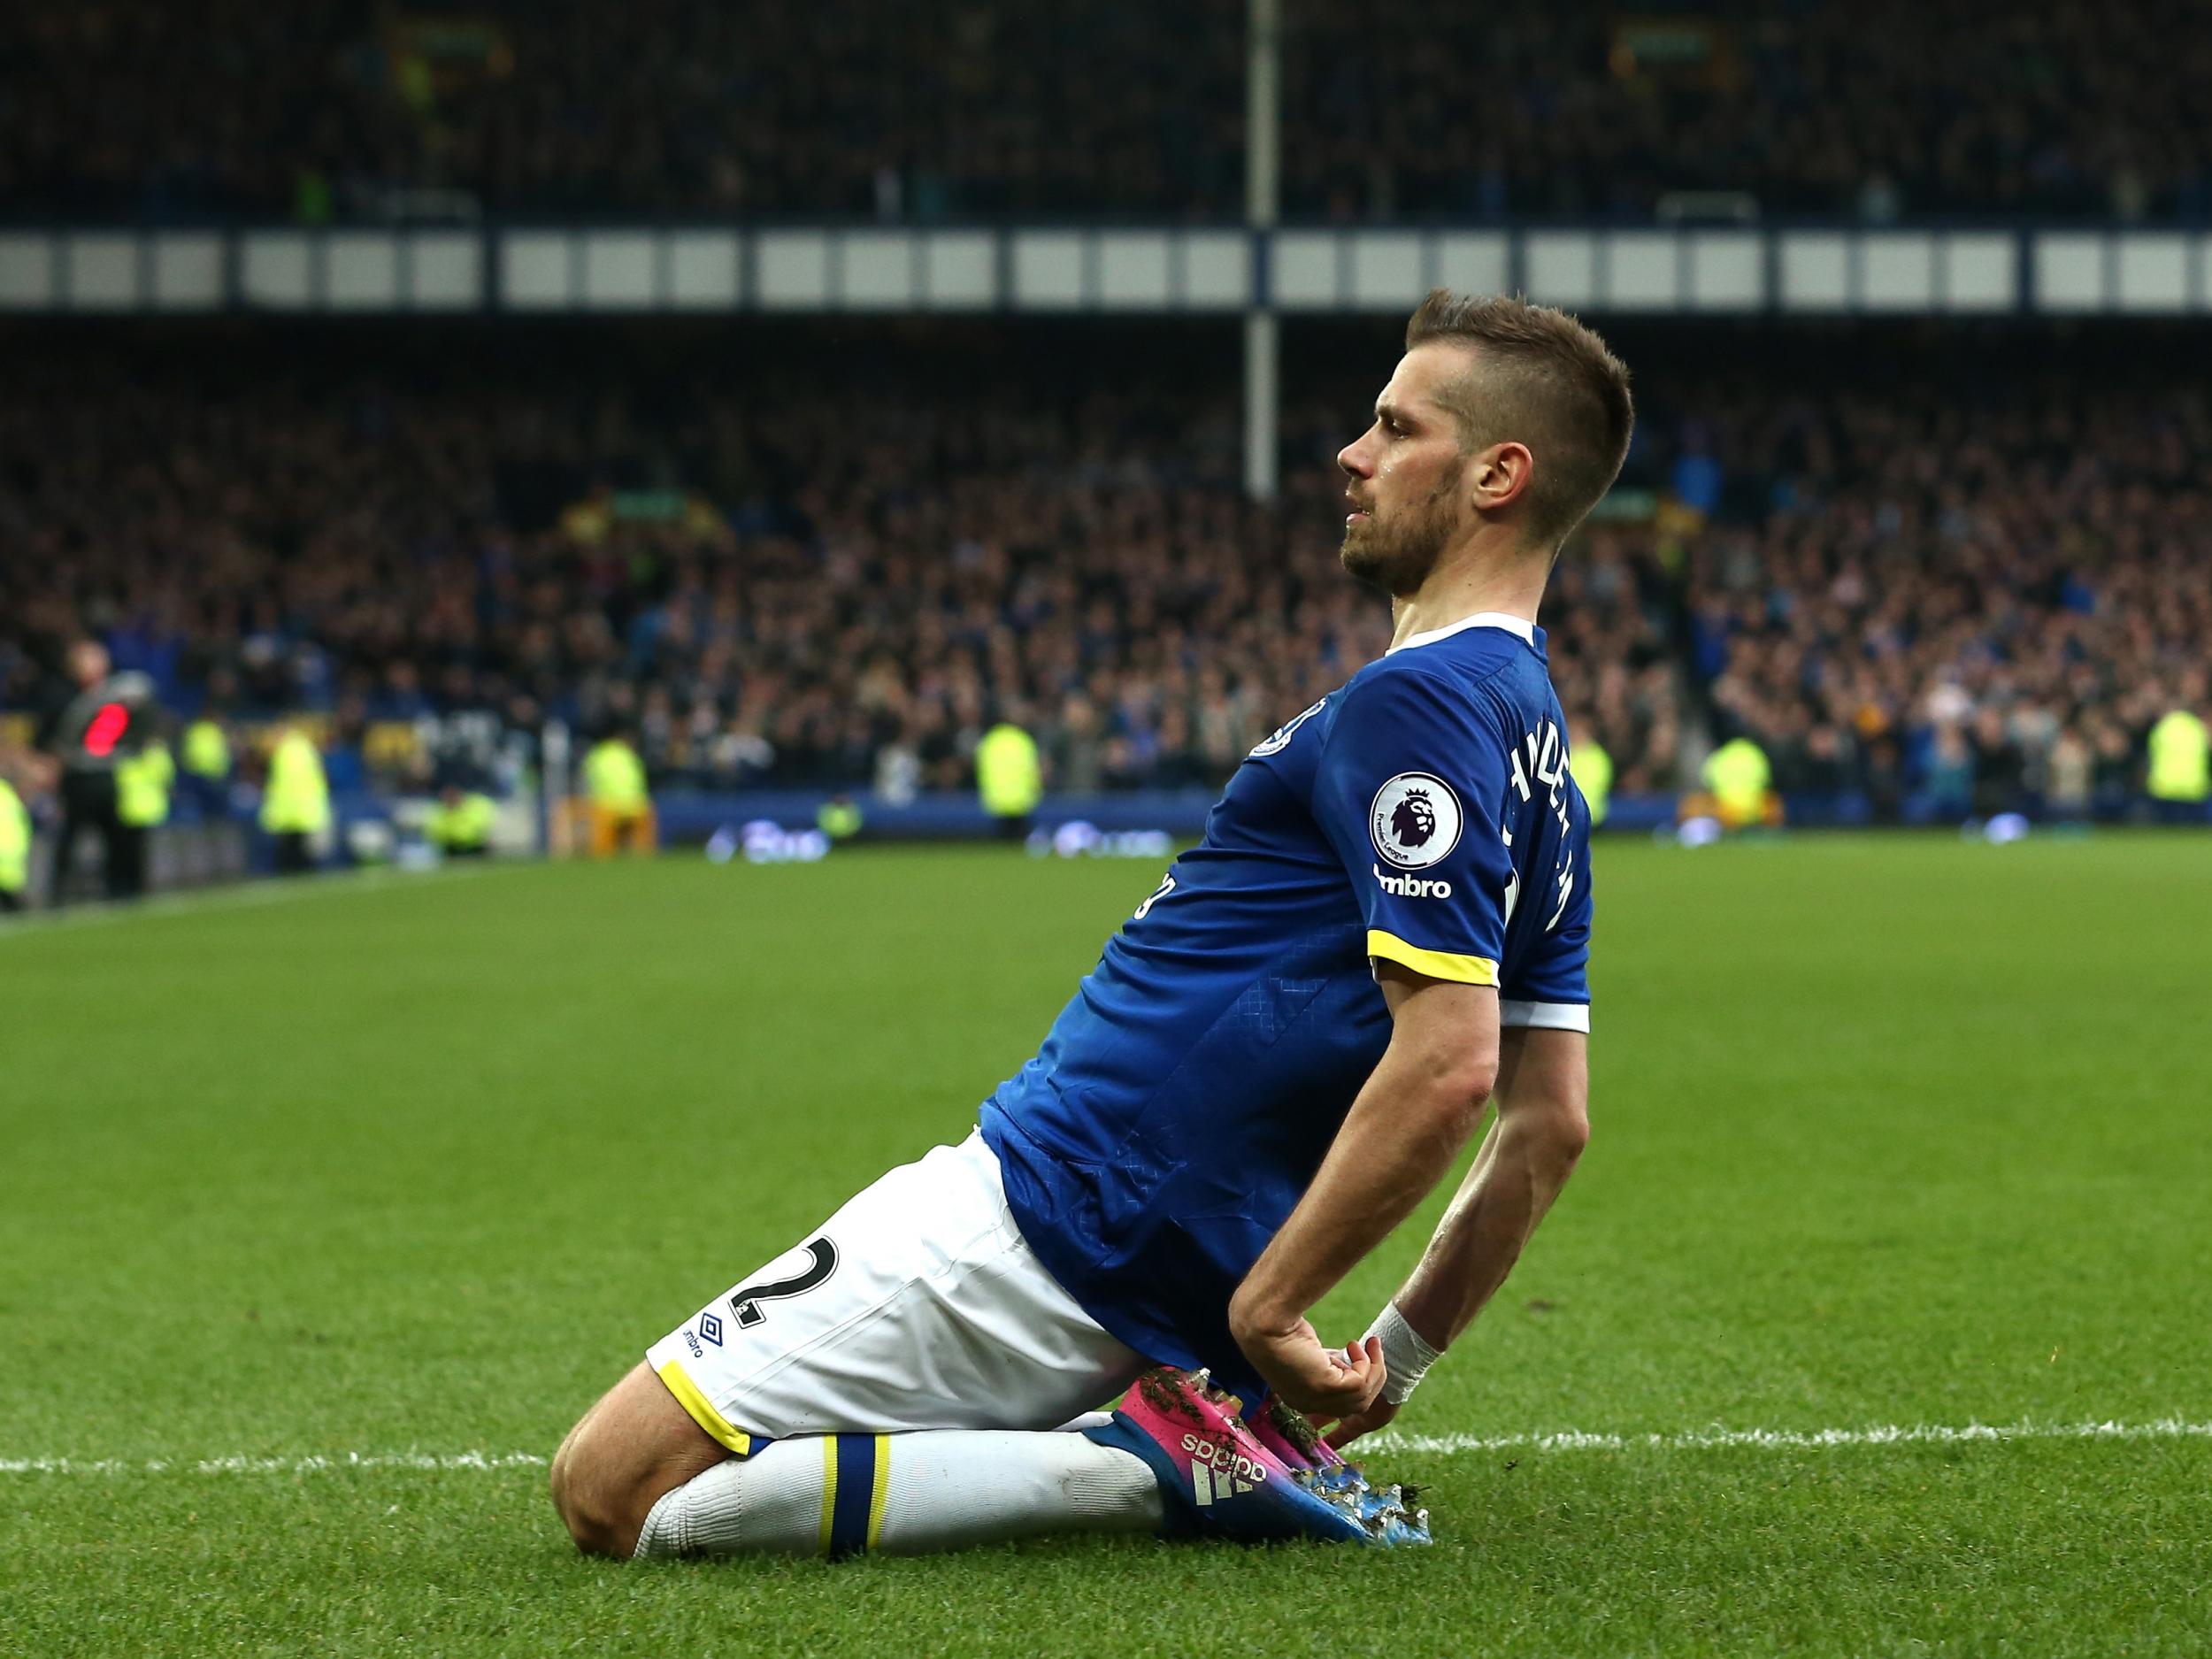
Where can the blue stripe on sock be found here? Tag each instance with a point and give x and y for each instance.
(856, 1488)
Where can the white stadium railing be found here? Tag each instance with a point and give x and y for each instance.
(1681, 271)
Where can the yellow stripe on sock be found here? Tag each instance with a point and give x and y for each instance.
(882, 1490)
(829, 1487)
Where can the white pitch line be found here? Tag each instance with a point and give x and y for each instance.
(431, 1461)
(1792, 1439)
(1568, 1441)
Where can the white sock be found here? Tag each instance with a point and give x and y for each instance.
(904, 1494)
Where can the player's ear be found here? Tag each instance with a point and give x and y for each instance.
(1499, 476)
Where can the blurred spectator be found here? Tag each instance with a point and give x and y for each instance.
(2180, 771)
(295, 799)
(206, 747)
(98, 724)
(1592, 764)
(459, 824)
(620, 810)
(1738, 782)
(15, 833)
(143, 783)
(1009, 778)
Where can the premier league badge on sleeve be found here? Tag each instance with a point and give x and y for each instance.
(1416, 820)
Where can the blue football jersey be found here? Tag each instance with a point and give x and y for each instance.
(1423, 813)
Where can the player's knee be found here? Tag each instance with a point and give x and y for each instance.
(1567, 1130)
(632, 1449)
(585, 1494)
(1552, 1131)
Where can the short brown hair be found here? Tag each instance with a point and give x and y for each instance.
(1546, 380)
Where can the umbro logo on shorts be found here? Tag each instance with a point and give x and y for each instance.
(710, 1329)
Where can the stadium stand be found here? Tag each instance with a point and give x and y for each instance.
(1879, 112)
(134, 110)
(770, 597)
(1969, 588)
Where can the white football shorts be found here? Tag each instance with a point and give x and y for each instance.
(915, 1306)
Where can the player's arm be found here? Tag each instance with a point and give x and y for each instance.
(1541, 1126)
(1404, 1131)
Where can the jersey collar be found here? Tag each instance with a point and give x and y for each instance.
(1519, 625)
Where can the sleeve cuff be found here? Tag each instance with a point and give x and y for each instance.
(1544, 1016)
(702, 1409)
(1438, 964)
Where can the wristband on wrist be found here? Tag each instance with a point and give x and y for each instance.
(1406, 1357)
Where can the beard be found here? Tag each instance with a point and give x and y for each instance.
(1398, 555)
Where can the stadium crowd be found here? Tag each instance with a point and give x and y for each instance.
(955, 108)
(1988, 599)
(1879, 110)
(1972, 596)
(856, 609)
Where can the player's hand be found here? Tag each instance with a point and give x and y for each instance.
(1346, 1430)
(1319, 1381)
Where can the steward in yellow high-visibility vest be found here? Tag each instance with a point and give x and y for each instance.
(143, 782)
(838, 818)
(621, 807)
(1592, 769)
(141, 804)
(295, 800)
(1009, 777)
(206, 750)
(2180, 778)
(15, 849)
(460, 823)
(1741, 783)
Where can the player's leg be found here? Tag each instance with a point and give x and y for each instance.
(635, 1445)
(904, 1494)
(637, 1477)
(128, 845)
(916, 1308)
(75, 823)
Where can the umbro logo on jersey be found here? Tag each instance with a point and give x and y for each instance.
(1411, 887)
(1415, 820)
(1219, 1471)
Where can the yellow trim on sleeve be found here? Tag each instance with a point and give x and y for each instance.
(1438, 964)
(829, 1487)
(702, 1409)
(882, 1490)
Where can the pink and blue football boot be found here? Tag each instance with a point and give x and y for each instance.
(1391, 1514)
(1223, 1477)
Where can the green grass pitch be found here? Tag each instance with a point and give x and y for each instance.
(1888, 1132)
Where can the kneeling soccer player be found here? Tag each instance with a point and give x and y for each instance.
(1386, 926)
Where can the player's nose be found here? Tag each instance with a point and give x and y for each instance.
(1353, 457)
